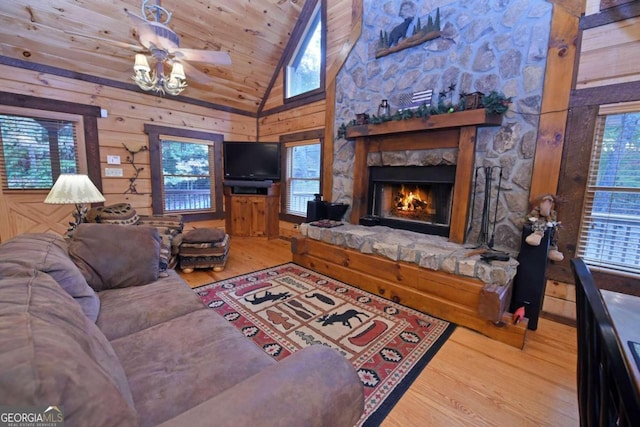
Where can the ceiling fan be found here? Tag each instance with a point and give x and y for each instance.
(162, 45)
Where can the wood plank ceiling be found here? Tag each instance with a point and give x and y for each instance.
(253, 32)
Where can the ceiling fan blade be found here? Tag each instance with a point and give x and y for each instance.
(195, 75)
(147, 35)
(133, 47)
(205, 56)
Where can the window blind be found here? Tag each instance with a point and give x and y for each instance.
(187, 171)
(609, 235)
(303, 168)
(34, 151)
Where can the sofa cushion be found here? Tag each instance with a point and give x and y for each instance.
(204, 235)
(48, 253)
(186, 361)
(125, 311)
(50, 353)
(115, 256)
(121, 213)
(205, 248)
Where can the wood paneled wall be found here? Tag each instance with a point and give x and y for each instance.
(302, 118)
(609, 54)
(341, 19)
(128, 112)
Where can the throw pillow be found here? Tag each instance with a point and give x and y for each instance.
(170, 229)
(115, 256)
(121, 213)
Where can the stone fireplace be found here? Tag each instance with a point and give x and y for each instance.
(415, 198)
(417, 172)
(379, 176)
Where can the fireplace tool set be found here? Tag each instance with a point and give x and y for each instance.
(485, 243)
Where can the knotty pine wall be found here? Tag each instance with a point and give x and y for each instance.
(278, 120)
(609, 53)
(128, 112)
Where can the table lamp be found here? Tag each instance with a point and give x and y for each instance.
(74, 189)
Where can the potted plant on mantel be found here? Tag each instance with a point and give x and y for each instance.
(489, 111)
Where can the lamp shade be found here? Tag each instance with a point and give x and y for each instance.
(73, 188)
(177, 72)
(141, 63)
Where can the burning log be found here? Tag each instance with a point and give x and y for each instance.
(409, 201)
(418, 204)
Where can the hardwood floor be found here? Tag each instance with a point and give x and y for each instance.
(472, 380)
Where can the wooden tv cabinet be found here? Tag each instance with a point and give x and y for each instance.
(252, 212)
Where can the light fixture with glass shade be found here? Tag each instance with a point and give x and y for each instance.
(160, 51)
(74, 189)
(156, 80)
(160, 62)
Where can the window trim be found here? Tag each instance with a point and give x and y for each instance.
(315, 135)
(583, 110)
(299, 33)
(156, 133)
(81, 152)
(89, 114)
(591, 187)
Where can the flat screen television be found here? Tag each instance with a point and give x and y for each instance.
(252, 161)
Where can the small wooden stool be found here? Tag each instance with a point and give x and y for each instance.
(203, 248)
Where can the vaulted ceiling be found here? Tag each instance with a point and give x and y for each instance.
(79, 36)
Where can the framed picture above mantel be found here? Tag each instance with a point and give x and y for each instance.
(412, 31)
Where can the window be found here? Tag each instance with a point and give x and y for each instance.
(186, 172)
(304, 73)
(302, 169)
(187, 168)
(610, 230)
(36, 147)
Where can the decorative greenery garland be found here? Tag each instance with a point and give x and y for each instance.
(494, 103)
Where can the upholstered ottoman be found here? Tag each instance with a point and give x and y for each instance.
(203, 248)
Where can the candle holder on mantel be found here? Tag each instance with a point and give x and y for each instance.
(384, 110)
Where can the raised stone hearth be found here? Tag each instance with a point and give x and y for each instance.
(426, 272)
(428, 251)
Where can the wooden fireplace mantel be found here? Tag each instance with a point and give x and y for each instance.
(477, 117)
(455, 130)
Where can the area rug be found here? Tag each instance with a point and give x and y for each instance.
(288, 307)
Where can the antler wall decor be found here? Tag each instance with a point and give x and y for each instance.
(131, 159)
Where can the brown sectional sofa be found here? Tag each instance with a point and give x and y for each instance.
(87, 324)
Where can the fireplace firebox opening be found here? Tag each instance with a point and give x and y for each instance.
(416, 198)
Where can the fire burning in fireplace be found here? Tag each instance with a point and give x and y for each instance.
(416, 198)
(412, 202)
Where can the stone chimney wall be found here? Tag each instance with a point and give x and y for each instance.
(486, 45)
